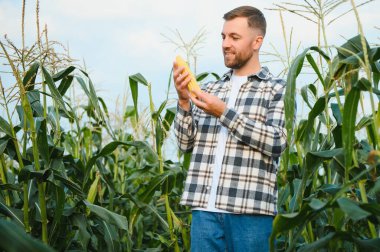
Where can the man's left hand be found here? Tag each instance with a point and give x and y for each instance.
(210, 104)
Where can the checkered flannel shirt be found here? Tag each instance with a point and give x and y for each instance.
(257, 137)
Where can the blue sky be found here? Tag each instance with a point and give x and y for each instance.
(117, 38)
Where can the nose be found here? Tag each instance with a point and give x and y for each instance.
(226, 43)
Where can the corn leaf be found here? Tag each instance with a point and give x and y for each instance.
(30, 77)
(352, 210)
(108, 216)
(5, 127)
(14, 239)
(348, 127)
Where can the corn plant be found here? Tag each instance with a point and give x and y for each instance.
(328, 179)
(75, 182)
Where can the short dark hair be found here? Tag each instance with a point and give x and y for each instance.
(254, 16)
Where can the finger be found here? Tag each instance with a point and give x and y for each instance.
(177, 70)
(199, 103)
(184, 83)
(199, 94)
(181, 78)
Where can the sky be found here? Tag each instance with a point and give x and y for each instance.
(118, 38)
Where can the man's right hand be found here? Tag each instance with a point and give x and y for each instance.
(181, 81)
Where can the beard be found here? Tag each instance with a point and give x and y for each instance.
(236, 60)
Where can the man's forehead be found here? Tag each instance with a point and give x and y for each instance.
(236, 26)
(238, 22)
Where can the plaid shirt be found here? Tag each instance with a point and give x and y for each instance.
(257, 137)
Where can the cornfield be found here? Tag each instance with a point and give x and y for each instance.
(72, 179)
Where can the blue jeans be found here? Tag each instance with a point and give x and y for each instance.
(230, 232)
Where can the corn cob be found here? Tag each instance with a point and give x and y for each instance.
(93, 189)
(193, 85)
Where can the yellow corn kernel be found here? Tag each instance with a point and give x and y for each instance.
(193, 85)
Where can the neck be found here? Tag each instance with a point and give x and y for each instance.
(251, 67)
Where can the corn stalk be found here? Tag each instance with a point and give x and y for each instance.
(29, 116)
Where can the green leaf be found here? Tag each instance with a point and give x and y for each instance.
(186, 160)
(319, 244)
(352, 210)
(159, 137)
(64, 73)
(133, 83)
(363, 84)
(3, 145)
(58, 210)
(35, 103)
(151, 156)
(91, 94)
(367, 245)
(108, 216)
(318, 108)
(5, 127)
(104, 106)
(15, 187)
(169, 118)
(139, 78)
(317, 204)
(285, 222)
(76, 189)
(29, 173)
(203, 75)
(54, 91)
(129, 112)
(330, 188)
(315, 68)
(157, 114)
(337, 133)
(336, 113)
(290, 94)
(322, 243)
(111, 237)
(314, 159)
(14, 213)
(84, 236)
(305, 93)
(373, 55)
(65, 84)
(42, 140)
(348, 126)
(376, 187)
(30, 77)
(169, 83)
(372, 208)
(352, 46)
(364, 122)
(146, 196)
(14, 239)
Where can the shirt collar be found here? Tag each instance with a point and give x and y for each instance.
(263, 74)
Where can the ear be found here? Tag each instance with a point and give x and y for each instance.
(257, 42)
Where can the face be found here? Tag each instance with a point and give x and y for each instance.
(240, 42)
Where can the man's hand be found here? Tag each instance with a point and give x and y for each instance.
(210, 104)
(181, 80)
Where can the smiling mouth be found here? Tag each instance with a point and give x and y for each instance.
(228, 54)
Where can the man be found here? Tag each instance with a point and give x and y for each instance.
(235, 129)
